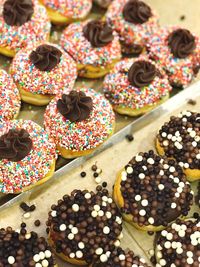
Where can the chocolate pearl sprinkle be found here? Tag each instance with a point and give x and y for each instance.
(180, 139)
(179, 244)
(83, 222)
(118, 258)
(155, 190)
(24, 249)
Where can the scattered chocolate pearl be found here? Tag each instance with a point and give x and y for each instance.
(83, 174)
(104, 184)
(153, 259)
(32, 208)
(129, 137)
(37, 223)
(192, 102)
(24, 206)
(94, 167)
(182, 17)
(196, 215)
(95, 174)
(23, 225)
(150, 233)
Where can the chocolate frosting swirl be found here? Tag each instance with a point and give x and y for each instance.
(17, 12)
(98, 33)
(75, 106)
(45, 57)
(15, 145)
(181, 42)
(141, 73)
(137, 12)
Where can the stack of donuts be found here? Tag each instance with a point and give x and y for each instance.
(140, 63)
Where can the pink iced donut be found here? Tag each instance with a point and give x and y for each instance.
(79, 122)
(136, 86)
(42, 72)
(27, 155)
(22, 23)
(134, 21)
(93, 45)
(67, 11)
(178, 52)
(10, 102)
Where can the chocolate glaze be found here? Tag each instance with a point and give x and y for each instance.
(98, 33)
(17, 12)
(182, 43)
(75, 106)
(141, 73)
(15, 145)
(45, 57)
(136, 12)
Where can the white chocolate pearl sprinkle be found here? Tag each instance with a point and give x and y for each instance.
(105, 198)
(167, 245)
(138, 158)
(169, 136)
(194, 144)
(176, 180)
(124, 176)
(42, 255)
(94, 214)
(129, 170)
(79, 254)
(161, 172)
(72, 255)
(27, 215)
(142, 212)
(144, 168)
(179, 250)
(99, 171)
(159, 255)
(36, 257)
(11, 260)
(63, 227)
(138, 197)
(181, 233)
(54, 213)
(99, 251)
(121, 235)
(151, 252)
(141, 176)
(70, 226)
(166, 166)
(186, 165)
(179, 189)
(189, 254)
(108, 253)
(38, 265)
(117, 243)
(177, 195)
(28, 236)
(151, 220)
(97, 207)
(198, 156)
(163, 262)
(106, 230)
(118, 220)
(108, 214)
(70, 236)
(81, 245)
(101, 213)
(75, 207)
(103, 258)
(165, 143)
(74, 230)
(142, 260)
(190, 260)
(122, 257)
(110, 200)
(150, 161)
(173, 205)
(163, 134)
(169, 236)
(144, 202)
(193, 134)
(161, 186)
(172, 265)
(172, 169)
(45, 263)
(87, 195)
(164, 233)
(47, 254)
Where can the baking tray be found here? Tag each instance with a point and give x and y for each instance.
(174, 16)
(111, 157)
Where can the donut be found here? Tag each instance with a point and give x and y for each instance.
(178, 245)
(94, 47)
(42, 72)
(82, 224)
(27, 156)
(177, 50)
(179, 138)
(103, 3)
(22, 23)
(79, 122)
(10, 102)
(119, 257)
(62, 12)
(152, 192)
(136, 86)
(134, 21)
(23, 248)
